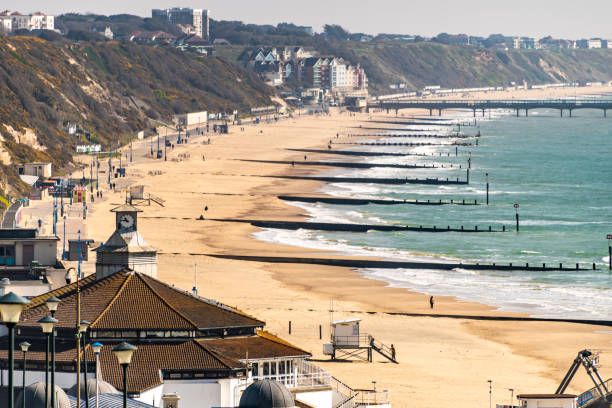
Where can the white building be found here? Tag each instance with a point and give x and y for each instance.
(548, 400)
(108, 33)
(198, 18)
(39, 169)
(337, 73)
(18, 21)
(592, 43)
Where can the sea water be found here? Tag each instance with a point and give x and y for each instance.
(558, 171)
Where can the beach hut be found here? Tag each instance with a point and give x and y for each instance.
(79, 194)
(345, 332)
(348, 342)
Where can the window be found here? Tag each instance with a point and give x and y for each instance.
(266, 368)
(255, 369)
(282, 367)
(273, 368)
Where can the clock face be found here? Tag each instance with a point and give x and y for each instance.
(126, 221)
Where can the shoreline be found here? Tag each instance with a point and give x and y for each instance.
(517, 356)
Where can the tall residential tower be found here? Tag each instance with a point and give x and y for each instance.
(198, 18)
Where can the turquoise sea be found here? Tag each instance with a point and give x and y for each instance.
(559, 171)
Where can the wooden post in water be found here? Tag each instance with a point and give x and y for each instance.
(516, 207)
(487, 188)
(289, 326)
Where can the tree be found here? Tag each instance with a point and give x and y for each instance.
(335, 32)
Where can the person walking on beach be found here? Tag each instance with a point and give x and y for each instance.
(431, 302)
(392, 352)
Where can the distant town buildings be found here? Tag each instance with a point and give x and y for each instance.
(279, 65)
(13, 21)
(192, 21)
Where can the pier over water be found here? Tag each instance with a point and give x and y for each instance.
(483, 105)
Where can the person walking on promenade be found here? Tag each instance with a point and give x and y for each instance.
(431, 302)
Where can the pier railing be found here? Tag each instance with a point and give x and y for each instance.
(589, 397)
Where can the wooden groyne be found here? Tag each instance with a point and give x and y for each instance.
(366, 201)
(425, 122)
(380, 264)
(432, 181)
(345, 164)
(355, 153)
(394, 129)
(345, 227)
(403, 144)
(411, 135)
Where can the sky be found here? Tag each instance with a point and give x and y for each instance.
(536, 18)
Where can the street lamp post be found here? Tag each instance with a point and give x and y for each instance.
(62, 196)
(83, 326)
(124, 351)
(97, 348)
(511, 396)
(24, 347)
(490, 392)
(64, 240)
(54, 212)
(11, 306)
(47, 324)
(52, 304)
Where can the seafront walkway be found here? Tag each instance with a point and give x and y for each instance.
(517, 105)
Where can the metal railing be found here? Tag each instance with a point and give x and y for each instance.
(371, 397)
(362, 340)
(347, 393)
(592, 395)
(304, 375)
(499, 101)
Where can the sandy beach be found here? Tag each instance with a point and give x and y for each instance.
(443, 361)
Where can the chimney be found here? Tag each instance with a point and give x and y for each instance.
(4, 286)
(170, 400)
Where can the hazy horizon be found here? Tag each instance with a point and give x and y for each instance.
(475, 17)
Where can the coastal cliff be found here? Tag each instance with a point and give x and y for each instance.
(422, 64)
(108, 90)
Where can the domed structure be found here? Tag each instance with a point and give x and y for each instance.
(105, 388)
(35, 397)
(266, 394)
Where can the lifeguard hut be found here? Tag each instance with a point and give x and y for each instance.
(138, 196)
(347, 342)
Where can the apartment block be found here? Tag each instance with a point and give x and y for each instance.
(184, 16)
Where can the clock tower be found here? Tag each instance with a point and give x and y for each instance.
(126, 248)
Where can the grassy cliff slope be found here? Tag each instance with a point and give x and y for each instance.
(112, 90)
(424, 64)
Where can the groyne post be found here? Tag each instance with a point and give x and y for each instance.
(516, 207)
(468, 176)
(289, 326)
(487, 174)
